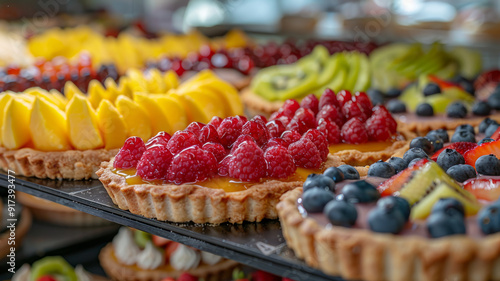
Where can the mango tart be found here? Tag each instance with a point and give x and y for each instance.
(48, 135)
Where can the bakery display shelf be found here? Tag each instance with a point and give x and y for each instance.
(259, 245)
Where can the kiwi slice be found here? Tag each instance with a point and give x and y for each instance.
(56, 266)
(142, 238)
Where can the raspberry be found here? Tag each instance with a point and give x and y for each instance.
(279, 162)
(319, 141)
(187, 277)
(257, 131)
(239, 140)
(330, 130)
(208, 134)
(328, 97)
(343, 97)
(380, 110)
(287, 109)
(305, 154)
(331, 113)
(242, 119)
(191, 165)
(154, 163)
(217, 150)
(247, 162)
(354, 131)
(160, 139)
(216, 120)
(229, 130)
(195, 128)
(275, 128)
(259, 118)
(311, 102)
(223, 166)
(352, 109)
(290, 136)
(362, 99)
(285, 120)
(181, 140)
(302, 121)
(276, 142)
(130, 154)
(377, 128)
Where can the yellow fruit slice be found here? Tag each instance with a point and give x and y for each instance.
(232, 100)
(111, 89)
(96, 93)
(39, 92)
(202, 75)
(194, 112)
(111, 124)
(155, 83)
(171, 80)
(16, 121)
(124, 87)
(82, 124)
(177, 118)
(4, 99)
(62, 99)
(48, 127)
(159, 120)
(70, 89)
(136, 119)
(211, 103)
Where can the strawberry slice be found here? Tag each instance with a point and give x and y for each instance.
(484, 149)
(442, 83)
(484, 188)
(460, 147)
(170, 249)
(396, 182)
(496, 134)
(160, 241)
(487, 77)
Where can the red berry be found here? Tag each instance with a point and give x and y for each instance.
(330, 130)
(208, 134)
(229, 130)
(216, 149)
(181, 140)
(331, 113)
(275, 128)
(319, 141)
(460, 147)
(279, 162)
(302, 121)
(285, 120)
(354, 131)
(187, 277)
(351, 109)
(380, 110)
(365, 102)
(240, 140)
(46, 278)
(195, 128)
(216, 120)
(241, 119)
(305, 154)
(223, 166)
(343, 97)
(257, 131)
(154, 163)
(264, 276)
(377, 128)
(311, 102)
(287, 109)
(274, 142)
(247, 162)
(328, 97)
(130, 154)
(290, 136)
(191, 165)
(161, 138)
(259, 118)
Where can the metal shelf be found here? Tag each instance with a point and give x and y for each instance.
(259, 245)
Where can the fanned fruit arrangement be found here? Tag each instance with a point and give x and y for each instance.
(44, 134)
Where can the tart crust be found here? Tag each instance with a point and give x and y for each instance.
(256, 104)
(117, 271)
(70, 164)
(362, 254)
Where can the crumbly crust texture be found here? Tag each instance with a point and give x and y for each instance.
(117, 271)
(70, 164)
(357, 254)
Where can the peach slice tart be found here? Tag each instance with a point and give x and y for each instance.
(48, 135)
(229, 170)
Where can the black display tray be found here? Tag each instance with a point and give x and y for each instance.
(259, 245)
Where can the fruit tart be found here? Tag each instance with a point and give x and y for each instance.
(48, 135)
(136, 255)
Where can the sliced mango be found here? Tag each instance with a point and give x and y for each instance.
(171, 80)
(48, 127)
(82, 124)
(16, 120)
(158, 117)
(211, 103)
(136, 119)
(4, 99)
(70, 89)
(177, 118)
(111, 124)
(62, 99)
(230, 96)
(96, 93)
(155, 83)
(111, 89)
(194, 112)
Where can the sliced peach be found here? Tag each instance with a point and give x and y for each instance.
(62, 99)
(111, 89)
(158, 117)
(16, 121)
(111, 124)
(177, 118)
(48, 126)
(155, 83)
(171, 80)
(70, 89)
(39, 92)
(82, 124)
(193, 111)
(124, 87)
(4, 99)
(136, 119)
(211, 103)
(96, 93)
(228, 94)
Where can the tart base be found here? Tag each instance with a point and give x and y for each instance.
(70, 164)
(117, 271)
(257, 105)
(361, 254)
(22, 227)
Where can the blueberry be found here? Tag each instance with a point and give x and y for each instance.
(397, 163)
(489, 218)
(425, 109)
(396, 106)
(485, 140)
(423, 143)
(494, 100)
(413, 153)
(463, 136)
(481, 108)
(488, 165)
(360, 192)
(468, 87)
(465, 127)
(485, 123)
(341, 213)
(445, 223)
(350, 173)
(414, 161)
(431, 89)
(442, 133)
(444, 205)
(386, 218)
(491, 130)
(393, 93)
(381, 169)
(436, 141)
(376, 96)
(334, 173)
(449, 157)
(315, 199)
(399, 202)
(461, 172)
(456, 110)
(322, 181)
